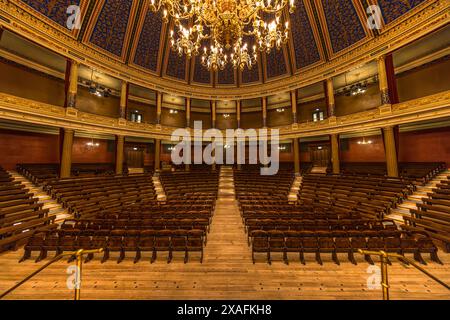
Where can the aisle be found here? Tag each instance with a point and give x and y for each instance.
(227, 240)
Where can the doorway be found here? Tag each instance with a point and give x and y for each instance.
(135, 158)
(320, 155)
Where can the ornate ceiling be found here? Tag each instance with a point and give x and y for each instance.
(127, 32)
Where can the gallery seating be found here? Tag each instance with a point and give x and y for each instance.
(416, 172)
(121, 214)
(333, 214)
(86, 196)
(371, 196)
(433, 215)
(21, 214)
(40, 173)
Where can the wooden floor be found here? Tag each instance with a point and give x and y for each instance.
(226, 273)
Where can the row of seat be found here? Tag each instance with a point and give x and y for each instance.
(39, 173)
(320, 242)
(121, 241)
(122, 213)
(372, 196)
(416, 172)
(433, 214)
(21, 213)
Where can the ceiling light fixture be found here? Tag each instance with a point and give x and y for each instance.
(225, 23)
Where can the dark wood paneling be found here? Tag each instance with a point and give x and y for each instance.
(173, 120)
(87, 102)
(346, 105)
(424, 81)
(26, 83)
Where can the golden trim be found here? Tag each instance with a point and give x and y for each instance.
(24, 110)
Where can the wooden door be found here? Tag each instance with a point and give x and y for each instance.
(320, 156)
(135, 158)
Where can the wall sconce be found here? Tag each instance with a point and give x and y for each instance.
(227, 146)
(171, 148)
(280, 110)
(363, 141)
(92, 144)
(281, 148)
(319, 148)
(226, 115)
(173, 111)
(135, 148)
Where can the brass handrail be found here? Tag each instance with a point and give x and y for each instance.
(79, 257)
(384, 269)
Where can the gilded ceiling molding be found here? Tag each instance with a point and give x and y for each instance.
(24, 110)
(415, 25)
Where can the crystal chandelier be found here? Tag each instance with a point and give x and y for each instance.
(225, 23)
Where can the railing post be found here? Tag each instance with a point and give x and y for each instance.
(384, 275)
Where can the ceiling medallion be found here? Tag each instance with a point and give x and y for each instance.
(225, 23)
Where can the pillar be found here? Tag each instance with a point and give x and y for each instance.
(73, 85)
(330, 97)
(264, 111)
(391, 151)
(123, 100)
(120, 141)
(159, 98)
(383, 81)
(296, 146)
(335, 153)
(157, 155)
(294, 106)
(238, 113)
(213, 113)
(66, 155)
(188, 112)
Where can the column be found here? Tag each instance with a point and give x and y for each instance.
(335, 153)
(123, 100)
(238, 113)
(213, 113)
(159, 98)
(330, 97)
(391, 151)
(157, 154)
(296, 146)
(264, 111)
(383, 81)
(294, 106)
(120, 141)
(188, 112)
(66, 155)
(73, 85)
